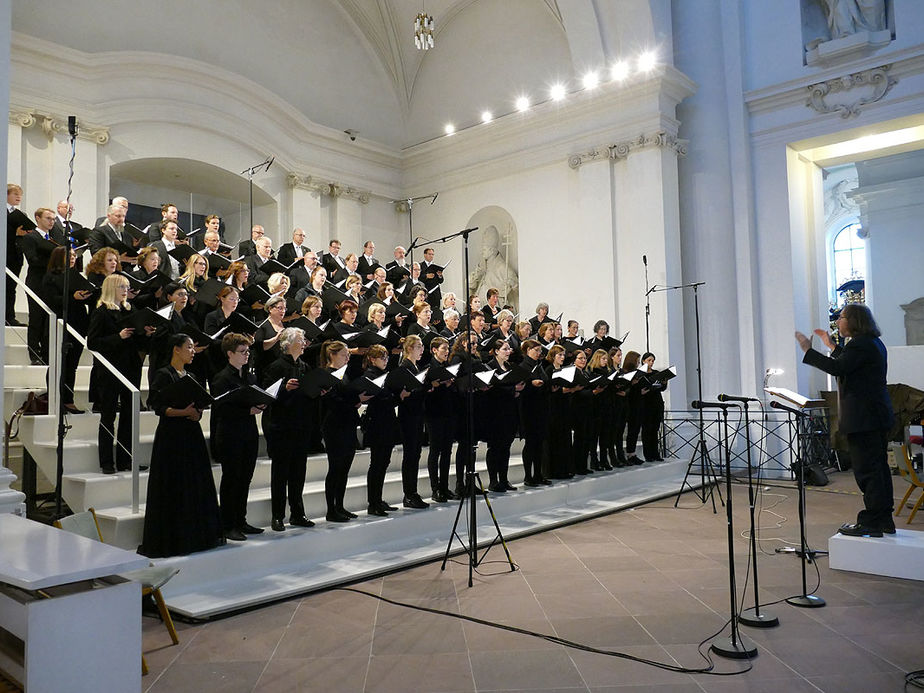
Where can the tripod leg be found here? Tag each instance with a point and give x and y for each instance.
(454, 534)
(500, 535)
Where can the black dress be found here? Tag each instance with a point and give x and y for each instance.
(501, 421)
(439, 404)
(559, 446)
(534, 421)
(181, 515)
(380, 426)
(410, 420)
(53, 293)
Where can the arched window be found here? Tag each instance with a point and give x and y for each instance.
(849, 255)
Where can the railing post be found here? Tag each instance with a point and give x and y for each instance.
(136, 421)
(54, 366)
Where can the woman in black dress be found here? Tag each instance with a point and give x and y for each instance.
(266, 339)
(422, 329)
(501, 418)
(195, 275)
(148, 264)
(560, 444)
(236, 440)
(604, 412)
(439, 402)
(411, 420)
(633, 408)
(53, 293)
(286, 433)
(465, 450)
(380, 426)
(181, 515)
(619, 409)
(534, 414)
(122, 348)
(582, 412)
(652, 412)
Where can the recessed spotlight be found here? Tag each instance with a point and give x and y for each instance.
(523, 104)
(487, 116)
(619, 71)
(591, 80)
(449, 129)
(557, 92)
(646, 61)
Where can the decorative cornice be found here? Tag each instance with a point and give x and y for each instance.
(51, 125)
(329, 188)
(621, 150)
(876, 79)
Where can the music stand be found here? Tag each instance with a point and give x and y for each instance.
(794, 414)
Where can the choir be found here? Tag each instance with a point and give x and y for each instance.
(329, 352)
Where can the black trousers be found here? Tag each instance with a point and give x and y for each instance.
(412, 444)
(115, 399)
(652, 416)
(532, 456)
(498, 459)
(868, 453)
(37, 332)
(379, 459)
(439, 457)
(236, 474)
(633, 426)
(340, 454)
(619, 430)
(14, 259)
(287, 478)
(580, 449)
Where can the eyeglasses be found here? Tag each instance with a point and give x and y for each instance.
(200, 263)
(245, 350)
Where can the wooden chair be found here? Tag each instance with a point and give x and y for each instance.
(906, 469)
(152, 578)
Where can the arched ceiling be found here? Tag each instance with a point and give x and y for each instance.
(342, 63)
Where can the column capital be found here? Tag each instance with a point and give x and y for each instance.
(329, 188)
(620, 150)
(52, 125)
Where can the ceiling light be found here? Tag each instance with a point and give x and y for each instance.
(646, 61)
(523, 104)
(619, 71)
(591, 80)
(557, 92)
(449, 129)
(423, 31)
(486, 116)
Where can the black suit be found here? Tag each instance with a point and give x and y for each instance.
(165, 265)
(257, 276)
(331, 263)
(14, 259)
(246, 248)
(343, 274)
(287, 255)
(37, 251)
(365, 267)
(865, 416)
(395, 273)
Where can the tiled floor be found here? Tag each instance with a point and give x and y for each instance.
(650, 582)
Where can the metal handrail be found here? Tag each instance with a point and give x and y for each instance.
(54, 369)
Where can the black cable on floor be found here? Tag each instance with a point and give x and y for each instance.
(914, 678)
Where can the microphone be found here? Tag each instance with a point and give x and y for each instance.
(270, 163)
(72, 126)
(697, 404)
(645, 260)
(791, 410)
(736, 398)
(435, 195)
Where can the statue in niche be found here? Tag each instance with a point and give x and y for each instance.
(846, 17)
(914, 322)
(495, 269)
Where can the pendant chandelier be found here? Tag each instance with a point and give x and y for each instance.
(423, 31)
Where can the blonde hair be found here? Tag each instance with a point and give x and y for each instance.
(108, 298)
(408, 343)
(330, 348)
(188, 278)
(373, 309)
(276, 280)
(599, 359)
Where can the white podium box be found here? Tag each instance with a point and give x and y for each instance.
(898, 555)
(66, 622)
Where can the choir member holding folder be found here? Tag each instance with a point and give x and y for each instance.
(287, 436)
(406, 382)
(534, 413)
(630, 365)
(560, 390)
(440, 418)
(652, 413)
(235, 433)
(501, 416)
(181, 515)
(380, 426)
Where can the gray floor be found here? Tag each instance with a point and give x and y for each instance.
(650, 582)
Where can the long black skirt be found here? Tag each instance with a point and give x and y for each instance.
(182, 507)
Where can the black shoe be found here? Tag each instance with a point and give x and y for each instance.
(544, 481)
(459, 491)
(72, 409)
(336, 516)
(235, 535)
(376, 510)
(529, 483)
(344, 511)
(888, 530)
(278, 525)
(108, 470)
(300, 521)
(582, 472)
(509, 486)
(13, 322)
(439, 497)
(607, 467)
(858, 530)
(388, 508)
(415, 503)
(250, 529)
(451, 496)
(497, 488)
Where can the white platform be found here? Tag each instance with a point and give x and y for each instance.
(898, 555)
(277, 565)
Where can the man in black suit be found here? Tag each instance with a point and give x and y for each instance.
(36, 247)
(118, 202)
(254, 263)
(348, 270)
(331, 259)
(14, 254)
(167, 230)
(864, 412)
(398, 270)
(301, 276)
(432, 276)
(168, 212)
(248, 248)
(114, 231)
(367, 262)
(290, 252)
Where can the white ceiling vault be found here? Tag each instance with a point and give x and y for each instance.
(352, 64)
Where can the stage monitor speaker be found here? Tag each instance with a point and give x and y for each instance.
(815, 475)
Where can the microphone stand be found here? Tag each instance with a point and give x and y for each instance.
(648, 290)
(409, 201)
(805, 600)
(471, 549)
(735, 647)
(65, 341)
(250, 172)
(753, 617)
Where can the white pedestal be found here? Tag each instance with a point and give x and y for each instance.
(898, 555)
